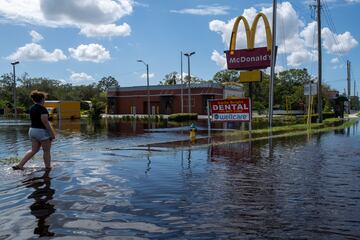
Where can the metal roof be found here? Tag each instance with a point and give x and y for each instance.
(173, 87)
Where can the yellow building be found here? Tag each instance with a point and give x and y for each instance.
(63, 109)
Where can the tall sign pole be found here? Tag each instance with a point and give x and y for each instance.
(319, 95)
(148, 90)
(348, 65)
(272, 70)
(182, 81)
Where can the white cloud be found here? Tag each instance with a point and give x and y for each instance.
(33, 51)
(151, 75)
(108, 30)
(334, 60)
(279, 68)
(334, 43)
(204, 10)
(85, 12)
(338, 43)
(36, 37)
(353, 1)
(219, 59)
(92, 53)
(309, 34)
(27, 11)
(297, 58)
(80, 77)
(67, 13)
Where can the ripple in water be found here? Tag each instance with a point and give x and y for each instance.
(289, 188)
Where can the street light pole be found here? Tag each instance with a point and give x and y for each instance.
(182, 82)
(147, 87)
(189, 78)
(14, 88)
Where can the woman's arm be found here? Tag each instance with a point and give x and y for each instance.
(45, 121)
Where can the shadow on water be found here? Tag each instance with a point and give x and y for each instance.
(42, 207)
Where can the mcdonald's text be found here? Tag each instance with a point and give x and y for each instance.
(248, 59)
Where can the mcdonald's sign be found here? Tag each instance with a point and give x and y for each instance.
(250, 58)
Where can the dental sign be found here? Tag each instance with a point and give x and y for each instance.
(230, 110)
(250, 58)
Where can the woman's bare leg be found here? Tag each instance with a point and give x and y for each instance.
(46, 146)
(35, 146)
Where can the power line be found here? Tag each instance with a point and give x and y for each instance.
(332, 27)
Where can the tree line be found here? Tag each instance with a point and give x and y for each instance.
(289, 88)
(57, 90)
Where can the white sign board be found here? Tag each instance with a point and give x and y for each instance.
(310, 89)
(228, 110)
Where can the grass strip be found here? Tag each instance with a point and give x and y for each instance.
(290, 128)
(288, 134)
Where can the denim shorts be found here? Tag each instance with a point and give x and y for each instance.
(39, 134)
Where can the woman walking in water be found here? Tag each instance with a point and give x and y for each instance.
(40, 132)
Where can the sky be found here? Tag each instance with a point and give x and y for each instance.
(79, 42)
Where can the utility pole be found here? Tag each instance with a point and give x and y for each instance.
(348, 65)
(354, 87)
(182, 81)
(272, 70)
(319, 95)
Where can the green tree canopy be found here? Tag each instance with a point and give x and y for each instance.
(226, 76)
(107, 82)
(175, 78)
(171, 78)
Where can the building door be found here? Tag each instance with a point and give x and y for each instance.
(166, 104)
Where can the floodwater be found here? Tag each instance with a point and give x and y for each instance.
(116, 181)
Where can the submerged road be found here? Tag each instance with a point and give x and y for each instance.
(104, 186)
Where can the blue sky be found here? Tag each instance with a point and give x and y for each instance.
(79, 42)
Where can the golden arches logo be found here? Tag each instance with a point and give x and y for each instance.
(250, 32)
(250, 58)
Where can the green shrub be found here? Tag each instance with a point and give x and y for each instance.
(181, 117)
(259, 107)
(333, 121)
(97, 109)
(325, 115)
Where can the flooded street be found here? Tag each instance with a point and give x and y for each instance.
(107, 182)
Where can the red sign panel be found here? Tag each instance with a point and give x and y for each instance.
(248, 59)
(230, 110)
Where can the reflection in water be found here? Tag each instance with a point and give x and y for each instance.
(148, 167)
(42, 207)
(231, 153)
(109, 186)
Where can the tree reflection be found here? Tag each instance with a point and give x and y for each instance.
(42, 207)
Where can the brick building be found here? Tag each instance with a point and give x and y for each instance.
(166, 99)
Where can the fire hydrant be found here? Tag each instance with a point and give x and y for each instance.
(192, 132)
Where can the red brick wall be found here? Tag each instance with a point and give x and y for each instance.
(124, 100)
